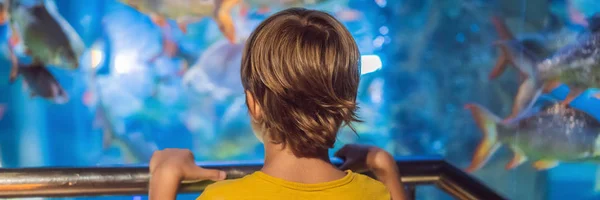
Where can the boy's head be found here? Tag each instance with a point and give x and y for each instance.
(300, 70)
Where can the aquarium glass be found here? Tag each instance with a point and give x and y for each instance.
(107, 82)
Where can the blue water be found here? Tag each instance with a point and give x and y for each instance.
(422, 61)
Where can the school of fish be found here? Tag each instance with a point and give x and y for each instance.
(541, 128)
(42, 42)
(48, 39)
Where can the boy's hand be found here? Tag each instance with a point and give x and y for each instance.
(361, 158)
(170, 166)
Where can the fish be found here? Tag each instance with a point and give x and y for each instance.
(547, 135)
(576, 65)
(185, 57)
(133, 151)
(133, 148)
(518, 54)
(541, 44)
(216, 74)
(185, 12)
(48, 38)
(43, 84)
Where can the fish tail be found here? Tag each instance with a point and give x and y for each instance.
(225, 21)
(526, 96)
(501, 62)
(4, 13)
(508, 44)
(501, 28)
(504, 58)
(14, 62)
(488, 124)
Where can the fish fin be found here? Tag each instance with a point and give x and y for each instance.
(501, 63)
(159, 20)
(170, 48)
(528, 92)
(4, 14)
(501, 28)
(551, 85)
(14, 40)
(518, 159)
(573, 93)
(545, 164)
(225, 21)
(488, 125)
(522, 76)
(14, 72)
(182, 26)
(505, 58)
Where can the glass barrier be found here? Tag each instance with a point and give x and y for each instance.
(128, 82)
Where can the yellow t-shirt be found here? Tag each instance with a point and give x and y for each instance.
(259, 185)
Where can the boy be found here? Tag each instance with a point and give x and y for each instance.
(300, 71)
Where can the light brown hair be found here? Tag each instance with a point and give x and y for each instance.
(302, 68)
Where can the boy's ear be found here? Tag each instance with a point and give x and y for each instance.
(253, 106)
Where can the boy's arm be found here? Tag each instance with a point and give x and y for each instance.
(383, 165)
(369, 158)
(169, 167)
(163, 185)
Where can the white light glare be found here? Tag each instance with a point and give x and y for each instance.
(370, 63)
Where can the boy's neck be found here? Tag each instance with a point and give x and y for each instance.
(282, 163)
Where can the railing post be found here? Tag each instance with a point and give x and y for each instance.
(412, 191)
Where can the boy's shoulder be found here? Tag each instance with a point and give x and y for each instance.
(259, 188)
(229, 188)
(370, 185)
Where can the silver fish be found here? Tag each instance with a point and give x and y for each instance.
(547, 135)
(48, 38)
(577, 65)
(42, 83)
(189, 11)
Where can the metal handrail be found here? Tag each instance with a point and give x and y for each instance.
(68, 182)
